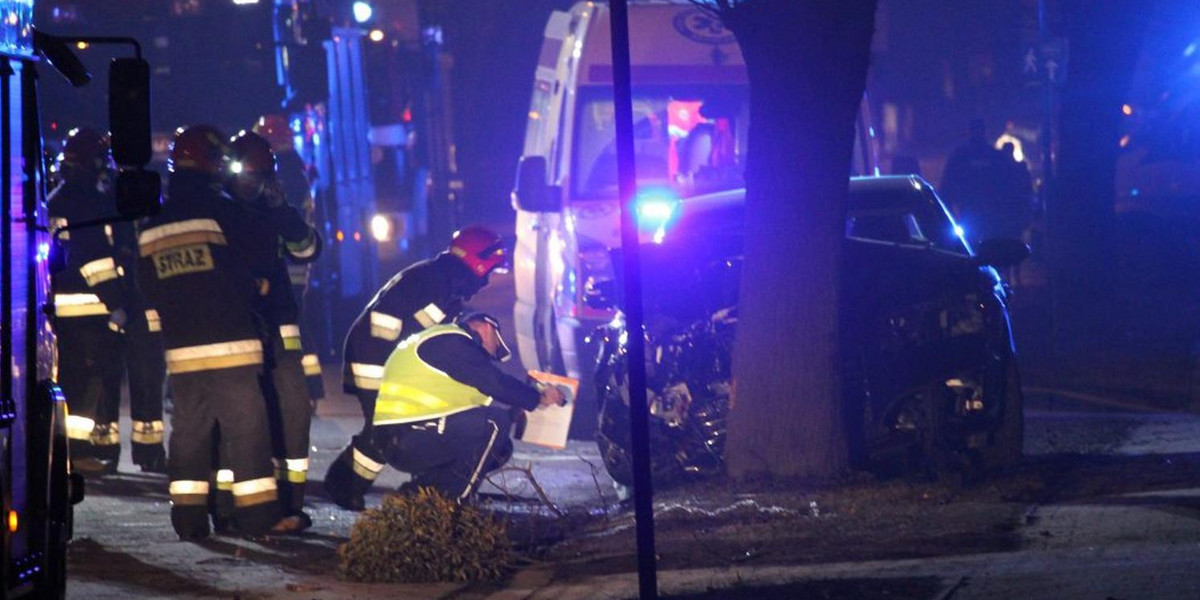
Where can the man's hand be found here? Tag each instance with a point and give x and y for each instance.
(117, 320)
(273, 194)
(551, 396)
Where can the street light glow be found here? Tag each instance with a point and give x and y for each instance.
(381, 228)
(376, 35)
(362, 11)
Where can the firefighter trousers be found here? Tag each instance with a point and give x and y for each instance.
(146, 371)
(452, 454)
(89, 373)
(290, 415)
(354, 471)
(224, 409)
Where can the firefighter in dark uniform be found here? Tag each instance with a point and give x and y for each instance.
(425, 294)
(434, 416)
(89, 303)
(297, 188)
(255, 186)
(198, 257)
(143, 354)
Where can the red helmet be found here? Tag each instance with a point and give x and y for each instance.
(480, 248)
(252, 154)
(276, 131)
(86, 150)
(199, 148)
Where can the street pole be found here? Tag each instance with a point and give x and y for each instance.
(1049, 210)
(643, 494)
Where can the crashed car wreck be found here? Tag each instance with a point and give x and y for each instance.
(929, 372)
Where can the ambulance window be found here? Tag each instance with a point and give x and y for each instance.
(692, 140)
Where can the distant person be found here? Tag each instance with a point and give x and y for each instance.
(1018, 195)
(974, 183)
(89, 303)
(421, 296)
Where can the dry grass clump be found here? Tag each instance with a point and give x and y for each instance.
(425, 537)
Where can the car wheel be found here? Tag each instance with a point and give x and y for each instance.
(1007, 442)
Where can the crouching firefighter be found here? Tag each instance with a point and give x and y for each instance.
(197, 260)
(423, 295)
(434, 416)
(288, 403)
(89, 304)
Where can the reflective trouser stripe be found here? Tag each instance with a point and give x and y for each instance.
(293, 470)
(224, 480)
(385, 326)
(254, 492)
(312, 365)
(298, 275)
(78, 305)
(211, 357)
(110, 436)
(291, 336)
(80, 428)
(180, 233)
(153, 321)
(430, 315)
(189, 493)
(365, 467)
(99, 271)
(366, 377)
(147, 432)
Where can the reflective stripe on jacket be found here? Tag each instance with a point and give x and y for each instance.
(413, 391)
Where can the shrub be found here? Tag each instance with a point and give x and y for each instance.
(424, 537)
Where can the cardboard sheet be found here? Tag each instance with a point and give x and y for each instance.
(548, 425)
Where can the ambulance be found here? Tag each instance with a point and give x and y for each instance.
(691, 118)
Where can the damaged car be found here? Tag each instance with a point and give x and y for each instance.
(930, 379)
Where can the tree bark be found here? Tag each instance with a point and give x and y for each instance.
(807, 62)
(1105, 42)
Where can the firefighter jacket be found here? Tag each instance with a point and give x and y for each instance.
(298, 190)
(442, 371)
(295, 241)
(423, 295)
(197, 263)
(90, 285)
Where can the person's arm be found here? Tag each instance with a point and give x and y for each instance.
(465, 361)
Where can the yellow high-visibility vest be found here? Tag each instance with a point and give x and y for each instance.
(414, 391)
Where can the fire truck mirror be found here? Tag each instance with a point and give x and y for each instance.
(139, 193)
(129, 111)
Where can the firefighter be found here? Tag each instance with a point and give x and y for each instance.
(425, 294)
(254, 185)
(295, 182)
(89, 303)
(142, 352)
(198, 257)
(434, 416)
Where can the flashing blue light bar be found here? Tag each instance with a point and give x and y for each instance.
(655, 209)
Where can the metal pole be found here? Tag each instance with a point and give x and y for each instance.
(643, 494)
(1049, 210)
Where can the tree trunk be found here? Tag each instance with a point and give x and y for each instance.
(807, 62)
(1105, 42)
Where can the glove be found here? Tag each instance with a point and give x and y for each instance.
(117, 320)
(273, 194)
(287, 221)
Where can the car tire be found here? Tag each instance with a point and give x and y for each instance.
(1007, 441)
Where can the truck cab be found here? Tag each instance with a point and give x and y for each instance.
(691, 121)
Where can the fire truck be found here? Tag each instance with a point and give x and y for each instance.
(37, 487)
